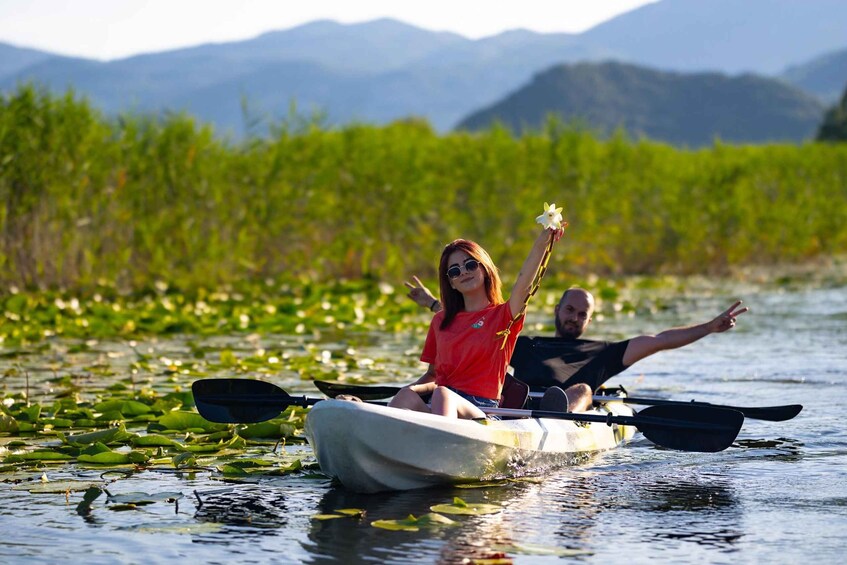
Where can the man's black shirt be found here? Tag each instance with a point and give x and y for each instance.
(547, 361)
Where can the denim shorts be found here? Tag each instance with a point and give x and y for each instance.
(479, 402)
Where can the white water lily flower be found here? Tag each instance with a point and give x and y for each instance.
(551, 218)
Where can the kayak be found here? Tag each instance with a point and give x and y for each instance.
(373, 448)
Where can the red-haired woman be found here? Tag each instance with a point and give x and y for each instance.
(467, 364)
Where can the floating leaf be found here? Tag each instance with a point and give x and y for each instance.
(56, 487)
(38, 455)
(155, 440)
(233, 471)
(412, 524)
(184, 460)
(94, 449)
(327, 516)
(459, 506)
(263, 429)
(180, 420)
(8, 423)
(122, 507)
(117, 434)
(357, 512)
(30, 414)
(106, 458)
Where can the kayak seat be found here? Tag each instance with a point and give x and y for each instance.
(514, 394)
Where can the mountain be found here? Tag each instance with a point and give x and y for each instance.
(825, 76)
(682, 109)
(14, 59)
(386, 70)
(731, 36)
(376, 71)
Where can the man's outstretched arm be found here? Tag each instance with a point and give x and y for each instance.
(646, 345)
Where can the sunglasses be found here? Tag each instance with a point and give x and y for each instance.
(471, 265)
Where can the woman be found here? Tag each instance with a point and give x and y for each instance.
(467, 359)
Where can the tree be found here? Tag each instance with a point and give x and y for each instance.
(834, 126)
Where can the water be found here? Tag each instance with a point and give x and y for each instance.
(778, 495)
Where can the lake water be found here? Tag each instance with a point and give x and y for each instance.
(778, 495)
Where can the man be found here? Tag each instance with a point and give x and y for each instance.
(571, 368)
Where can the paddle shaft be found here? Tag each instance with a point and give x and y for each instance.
(282, 401)
(769, 413)
(692, 428)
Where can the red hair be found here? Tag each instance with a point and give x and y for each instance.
(452, 299)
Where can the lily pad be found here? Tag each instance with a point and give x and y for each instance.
(57, 487)
(155, 440)
(461, 507)
(179, 420)
(117, 434)
(341, 513)
(8, 423)
(113, 457)
(412, 524)
(328, 516)
(44, 456)
(263, 429)
(185, 459)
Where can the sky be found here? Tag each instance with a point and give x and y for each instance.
(112, 29)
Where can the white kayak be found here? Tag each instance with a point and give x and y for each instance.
(372, 448)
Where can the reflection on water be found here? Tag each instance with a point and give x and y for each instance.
(474, 538)
(244, 505)
(787, 450)
(637, 504)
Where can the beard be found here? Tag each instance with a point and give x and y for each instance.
(568, 330)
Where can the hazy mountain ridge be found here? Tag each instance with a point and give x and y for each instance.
(825, 76)
(15, 59)
(683, 109)
(384, 69)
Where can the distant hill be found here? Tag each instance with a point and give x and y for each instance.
(386, 70)
(731, 36)
(825, 76)
(14, 59)
(682, 109)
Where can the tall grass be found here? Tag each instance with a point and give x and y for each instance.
(138, 199)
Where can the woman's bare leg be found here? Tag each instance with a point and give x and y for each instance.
(410, 400)
(447, 403)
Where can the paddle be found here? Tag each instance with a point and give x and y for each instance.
(770, 413)
(692, 428)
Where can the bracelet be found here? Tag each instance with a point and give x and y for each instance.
(431, 306)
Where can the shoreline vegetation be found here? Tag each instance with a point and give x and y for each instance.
(89, 201)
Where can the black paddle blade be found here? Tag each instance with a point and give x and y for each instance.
(239, 401)
(771, 413)
(364, 392)
(690, 428)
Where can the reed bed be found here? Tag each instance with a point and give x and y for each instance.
(137, 200)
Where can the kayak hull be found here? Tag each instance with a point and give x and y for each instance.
(372, 448)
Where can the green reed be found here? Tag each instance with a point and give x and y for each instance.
(139, 199)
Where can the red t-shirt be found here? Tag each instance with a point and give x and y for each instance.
(467, 355)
